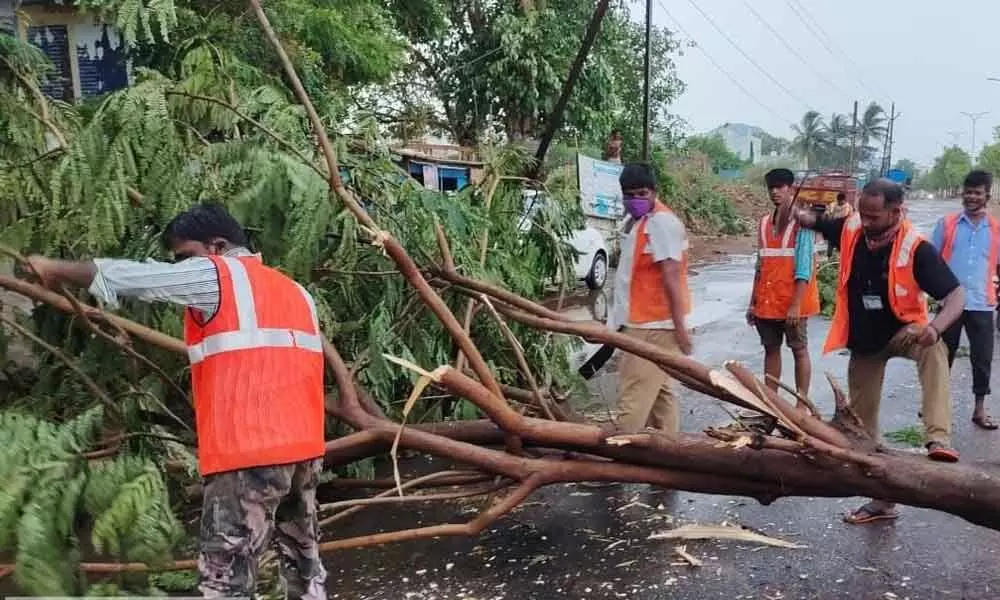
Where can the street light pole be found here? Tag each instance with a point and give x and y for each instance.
(974, 117)
(647, 67)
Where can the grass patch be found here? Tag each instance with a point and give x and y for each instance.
(911, 435)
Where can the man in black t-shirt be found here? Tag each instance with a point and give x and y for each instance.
(881, 313)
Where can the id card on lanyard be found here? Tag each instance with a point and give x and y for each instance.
(870, 299)
(872, 302)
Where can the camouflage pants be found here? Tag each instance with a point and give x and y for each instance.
(241, 511)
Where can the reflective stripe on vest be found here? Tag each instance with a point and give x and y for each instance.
(249, 335)
(787, 240)
(774, 288)
(948, 247)
(906, 300)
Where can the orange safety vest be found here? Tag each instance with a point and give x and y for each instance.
(648, 301)
(907, 301)
(256, 371)
(775, 287)
(948, 246)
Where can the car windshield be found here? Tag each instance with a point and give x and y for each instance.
(533, 202)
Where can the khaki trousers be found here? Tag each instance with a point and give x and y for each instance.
(866, 373)
(645, 397)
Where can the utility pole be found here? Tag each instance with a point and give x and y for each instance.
(854, 136)
(648, 69)
(892, 134)
(954, 137)
(555, 117)
(888, 137)
(974, 117)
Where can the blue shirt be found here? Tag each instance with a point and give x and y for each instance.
(804, 254)
(970, 258)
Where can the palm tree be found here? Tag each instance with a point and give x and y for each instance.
(838, 140)
(810, 137)
(871, 131)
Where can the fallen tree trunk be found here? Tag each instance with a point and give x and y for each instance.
(766, 468)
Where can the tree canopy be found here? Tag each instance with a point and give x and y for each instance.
(948, 171)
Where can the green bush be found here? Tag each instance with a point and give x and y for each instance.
(826, 278)
(693, 193)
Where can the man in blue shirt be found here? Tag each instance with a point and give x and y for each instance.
(969, 241)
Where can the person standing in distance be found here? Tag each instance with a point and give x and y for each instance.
(887, 270)
(256, 355)
(785, 293)
(651, 301)
(968, 241)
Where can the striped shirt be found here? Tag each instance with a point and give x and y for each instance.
(192, 282)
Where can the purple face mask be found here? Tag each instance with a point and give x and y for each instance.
(636, 206)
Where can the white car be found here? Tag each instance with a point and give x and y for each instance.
(591, 265)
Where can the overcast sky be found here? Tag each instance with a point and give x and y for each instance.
(931, 57)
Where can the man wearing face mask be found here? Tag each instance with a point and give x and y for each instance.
(887, 270)
(651, 301)
(785, 293)
(256, 356)
(969, 241)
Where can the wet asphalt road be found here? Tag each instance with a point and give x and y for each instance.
(580, 542)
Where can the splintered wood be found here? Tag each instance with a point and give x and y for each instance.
(719, 532)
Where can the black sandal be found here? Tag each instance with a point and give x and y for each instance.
(986, 422)
(869, 514)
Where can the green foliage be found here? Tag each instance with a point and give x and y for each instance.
(174, 581)
(911, 435)
(50, 487)
(948, 171)
(989, 158)
(484, 70)
(175, 150)
(827, 274)
(697, 197)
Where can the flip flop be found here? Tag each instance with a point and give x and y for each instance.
(985, 421)
(937, 451)
(866, 514)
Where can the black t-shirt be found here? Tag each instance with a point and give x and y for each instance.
(871, 330)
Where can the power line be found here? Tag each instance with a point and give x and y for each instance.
(824, 39)
(793, 51)
(747, 56)
(721, 69)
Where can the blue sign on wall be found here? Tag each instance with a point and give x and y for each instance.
(897, 175)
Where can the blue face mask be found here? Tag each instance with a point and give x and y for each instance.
(637, 206)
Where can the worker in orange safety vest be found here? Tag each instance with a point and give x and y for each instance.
(651, 301)
(969, 241)
(256, 354)
(785, 293)
(887, 270)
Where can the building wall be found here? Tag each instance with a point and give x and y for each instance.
(89, 56)
(7, 24)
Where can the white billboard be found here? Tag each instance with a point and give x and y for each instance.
(600, 193)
